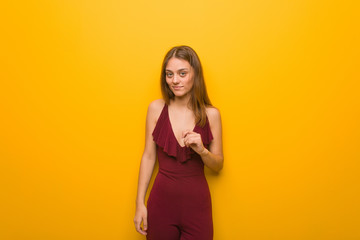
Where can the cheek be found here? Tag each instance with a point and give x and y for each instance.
(189, 82)
(168, 81)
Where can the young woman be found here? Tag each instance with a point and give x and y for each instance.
(183, 130)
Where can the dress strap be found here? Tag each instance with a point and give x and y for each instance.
(162, 133)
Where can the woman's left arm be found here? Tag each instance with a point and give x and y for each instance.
(212, 158)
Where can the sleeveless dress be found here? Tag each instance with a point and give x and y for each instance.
(179, 204)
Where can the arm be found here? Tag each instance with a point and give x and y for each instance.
(212, 158)
(146, 169)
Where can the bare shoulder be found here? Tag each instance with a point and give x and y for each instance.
(214, 117)
(155, 108)
(156, 105)
(213, 114)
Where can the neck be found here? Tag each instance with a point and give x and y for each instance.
(181, 102)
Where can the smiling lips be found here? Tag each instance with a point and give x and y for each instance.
(177, 87)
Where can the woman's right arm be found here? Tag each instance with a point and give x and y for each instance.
(146, 167)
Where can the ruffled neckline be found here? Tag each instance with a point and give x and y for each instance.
(164, 137)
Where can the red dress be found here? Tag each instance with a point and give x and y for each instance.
(179, 204)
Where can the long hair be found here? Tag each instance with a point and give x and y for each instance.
(199, 99)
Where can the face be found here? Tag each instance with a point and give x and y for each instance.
(179, 76)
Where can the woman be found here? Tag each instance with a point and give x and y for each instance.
(184, 131)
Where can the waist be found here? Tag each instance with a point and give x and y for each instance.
(178, 186)
(182, 173)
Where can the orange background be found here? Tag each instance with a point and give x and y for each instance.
(76, 79)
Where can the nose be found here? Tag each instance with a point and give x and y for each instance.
(175, 79)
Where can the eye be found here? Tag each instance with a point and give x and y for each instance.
(183, 74)
(169, 74)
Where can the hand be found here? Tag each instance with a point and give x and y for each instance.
(141, 217)
(193, 140)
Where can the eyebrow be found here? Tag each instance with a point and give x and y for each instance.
(178, 69)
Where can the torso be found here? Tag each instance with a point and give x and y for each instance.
(180, 197)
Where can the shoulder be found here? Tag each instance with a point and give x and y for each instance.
(213, 114)
(155, 107)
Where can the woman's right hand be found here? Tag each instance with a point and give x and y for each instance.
(141, 217)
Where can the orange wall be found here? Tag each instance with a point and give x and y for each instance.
(76, 80)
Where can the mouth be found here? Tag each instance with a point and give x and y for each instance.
(177, 87)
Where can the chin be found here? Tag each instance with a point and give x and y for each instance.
(180, 95)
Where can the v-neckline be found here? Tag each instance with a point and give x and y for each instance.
(172, 130)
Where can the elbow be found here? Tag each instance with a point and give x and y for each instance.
(219, 166)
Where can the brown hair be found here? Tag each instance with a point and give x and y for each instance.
(198, 96)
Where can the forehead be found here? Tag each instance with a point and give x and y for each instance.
(177, 63)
